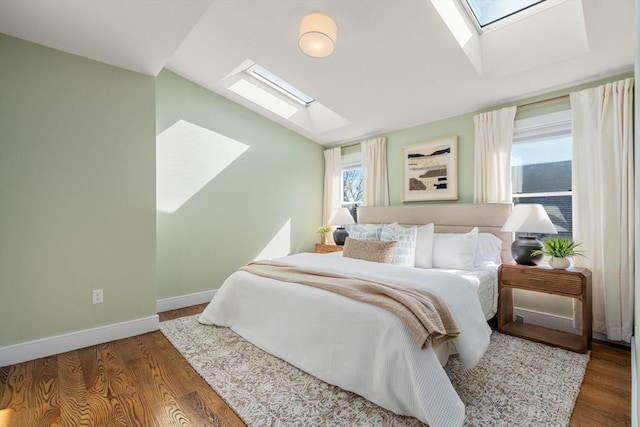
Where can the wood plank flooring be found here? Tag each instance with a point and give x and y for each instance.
(144, 381)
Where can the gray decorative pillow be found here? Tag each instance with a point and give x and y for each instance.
(383, 252)
(364, 231)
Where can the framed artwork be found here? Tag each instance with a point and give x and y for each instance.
(430, 170)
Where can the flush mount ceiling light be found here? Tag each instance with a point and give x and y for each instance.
(318, 35)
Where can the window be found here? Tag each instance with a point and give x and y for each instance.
(541, 166)
(268, 94)
(486, 12)
(352, 183)
(280, 85)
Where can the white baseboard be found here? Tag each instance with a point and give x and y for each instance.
(634, 384)
(547, 320)
(36, 349)
(182, 301)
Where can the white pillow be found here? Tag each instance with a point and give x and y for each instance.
(406, 238)
(424, 246)
(488, 249)
(455, 250)
(364, 231)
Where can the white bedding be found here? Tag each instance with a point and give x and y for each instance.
(356, 346)
(485, 281)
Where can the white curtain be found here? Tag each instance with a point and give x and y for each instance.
(374, 172)
(332, 184)
(603, 201)
(494, 135)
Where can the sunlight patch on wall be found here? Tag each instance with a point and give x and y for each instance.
(188, 157)
(279, 246)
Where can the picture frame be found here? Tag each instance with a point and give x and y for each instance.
(430, 170)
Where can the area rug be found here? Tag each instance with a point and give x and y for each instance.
(517, 383)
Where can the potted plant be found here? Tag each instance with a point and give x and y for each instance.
(323, 230)
(560, 249)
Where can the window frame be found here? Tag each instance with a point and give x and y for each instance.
(538, 129)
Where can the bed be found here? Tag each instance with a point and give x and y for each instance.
(361, 347)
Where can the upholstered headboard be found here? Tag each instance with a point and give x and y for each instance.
(447, 218)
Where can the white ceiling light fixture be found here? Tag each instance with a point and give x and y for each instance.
(317, 35)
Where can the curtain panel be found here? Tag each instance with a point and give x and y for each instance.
(494, 136)
(332, 184)
(603, 201)
(374, 172)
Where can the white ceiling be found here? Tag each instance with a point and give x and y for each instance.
(396, 64)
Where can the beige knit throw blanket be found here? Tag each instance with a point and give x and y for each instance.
(424, 313)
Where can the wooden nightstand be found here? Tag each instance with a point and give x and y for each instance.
(324, 248)
(573, 283)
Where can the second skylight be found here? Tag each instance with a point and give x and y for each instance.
(487, 12)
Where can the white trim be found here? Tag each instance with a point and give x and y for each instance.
(547, 320)
(547, 194)
(182, 301)
(562, 119)
(30, 350)
(634, 384)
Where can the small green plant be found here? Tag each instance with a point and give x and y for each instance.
(324, 229)
(559, 247)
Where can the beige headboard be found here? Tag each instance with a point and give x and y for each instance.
(447, 218)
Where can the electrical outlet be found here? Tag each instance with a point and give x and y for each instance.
(520, 319)
(97, 296)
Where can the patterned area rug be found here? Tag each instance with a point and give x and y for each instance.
(517, 383)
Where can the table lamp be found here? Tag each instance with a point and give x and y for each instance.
(341, 217)
(528, 218)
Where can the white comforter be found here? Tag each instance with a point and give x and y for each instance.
(356, 346)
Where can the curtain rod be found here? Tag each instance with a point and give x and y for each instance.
(544, 101)
(348, 145)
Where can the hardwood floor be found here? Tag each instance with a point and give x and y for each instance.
(144, 381)
(138, 381)
(605, 396)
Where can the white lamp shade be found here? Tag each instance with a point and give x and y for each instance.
(318, 35)
(341, 216)
(529, 218)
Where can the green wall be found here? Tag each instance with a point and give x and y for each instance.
(277, 181)
(77, 193)
(462, 126)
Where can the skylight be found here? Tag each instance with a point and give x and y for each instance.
(280, 85)
(267, 93)
(486, 12)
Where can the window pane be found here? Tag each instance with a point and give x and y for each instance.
(352, 185)
(541, 166)
(352, 190)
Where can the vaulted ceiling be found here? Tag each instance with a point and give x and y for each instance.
(396, 63)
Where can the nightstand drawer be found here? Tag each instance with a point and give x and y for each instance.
(543, 280)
